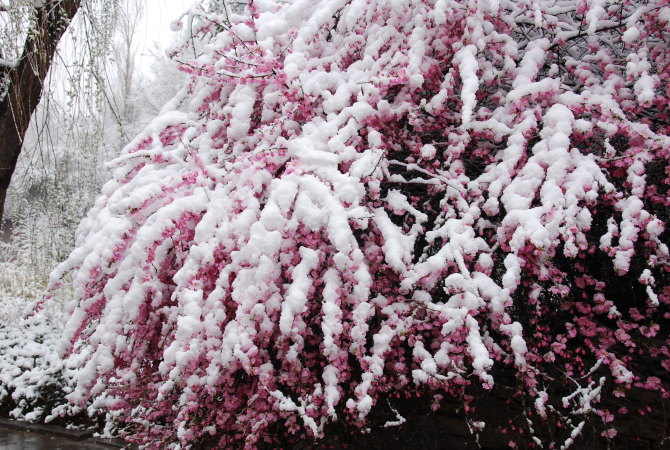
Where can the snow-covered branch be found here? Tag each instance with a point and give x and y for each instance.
(6, 64)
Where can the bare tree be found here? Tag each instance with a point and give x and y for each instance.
(24, 80)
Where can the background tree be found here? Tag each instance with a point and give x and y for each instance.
(97, 95)
(353, 204)
(22, 80)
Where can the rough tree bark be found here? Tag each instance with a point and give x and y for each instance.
(26, 80)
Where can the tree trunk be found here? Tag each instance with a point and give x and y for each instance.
(26, 80)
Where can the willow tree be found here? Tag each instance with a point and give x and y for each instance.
(23, 79)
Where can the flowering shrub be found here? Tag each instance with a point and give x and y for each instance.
(354, 199)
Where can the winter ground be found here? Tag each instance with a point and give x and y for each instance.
(11, 439)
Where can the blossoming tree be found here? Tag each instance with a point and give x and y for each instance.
(354, 201)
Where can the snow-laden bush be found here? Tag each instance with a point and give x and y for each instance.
(357, 199)
(18, 282)
(34, 380)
